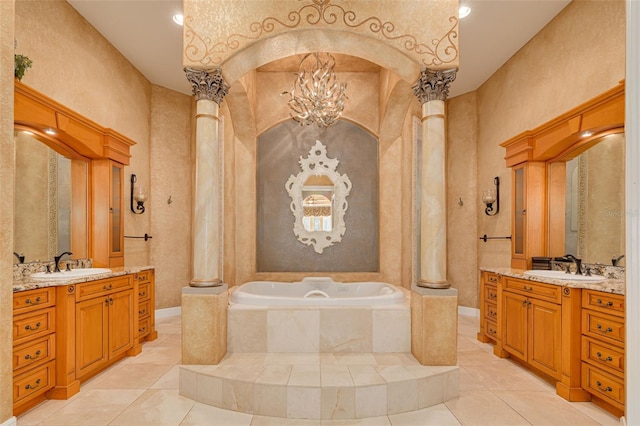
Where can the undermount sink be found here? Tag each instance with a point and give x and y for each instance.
(561, 275)
(68, 275)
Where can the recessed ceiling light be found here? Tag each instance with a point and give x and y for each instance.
(26, 132)
(464, 11)
(178, 19)
(50, 131)
(587, 134)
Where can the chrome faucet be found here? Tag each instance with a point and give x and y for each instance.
(577, 261)
(56, 259)
(616, 260)
(20, 257)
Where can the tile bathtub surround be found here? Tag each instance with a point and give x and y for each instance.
(321, 329)
(327, 387)
(509, 393)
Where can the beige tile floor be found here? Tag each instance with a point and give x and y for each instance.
(143, 390)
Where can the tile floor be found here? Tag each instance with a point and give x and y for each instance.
(143, 390)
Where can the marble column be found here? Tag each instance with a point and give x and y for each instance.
(209, 89)
(432, 89)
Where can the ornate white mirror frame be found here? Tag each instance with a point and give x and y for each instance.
(317, 163)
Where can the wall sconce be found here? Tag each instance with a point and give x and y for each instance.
(138, 195)
(491, 196)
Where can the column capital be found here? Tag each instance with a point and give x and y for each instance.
(433, 85)
(207, 84)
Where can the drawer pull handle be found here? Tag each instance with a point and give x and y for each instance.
(142, 330)
(37, 355)
(607, 359)
(33, 386)
(142, 312)
(28, 326)
(32, 302)
(601, 303)
(142, 294)
(607, 389)
(492, 331)
(606, 330)
(104, 287)
(493, 296)
(525, 288)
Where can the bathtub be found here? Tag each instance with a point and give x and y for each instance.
(316, 291)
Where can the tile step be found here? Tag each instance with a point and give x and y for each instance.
(319, 386)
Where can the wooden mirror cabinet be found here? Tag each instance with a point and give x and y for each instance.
(538, 194)
(106, 151)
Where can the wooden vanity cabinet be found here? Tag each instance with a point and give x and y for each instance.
(108, 207)
(104, 323)
(146, 305)
(34, 347)
(532, 324)
(603, 348)
(489, 307)
(539, 325)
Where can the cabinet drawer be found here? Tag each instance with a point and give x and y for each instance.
(491, 311)
(603, 302)
(603, 355)
(33, 324)
(144, 309)
(490, 277)
(34, 382)
(91, 289)
(605, 386)
(549, 292)
(490, 293)
(491, 329)
(144, 292)
(35, 352)
(144, 326)
(143, 276)
(602, 326)
(27, 301)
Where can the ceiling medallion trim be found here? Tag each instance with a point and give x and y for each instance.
(434, 53)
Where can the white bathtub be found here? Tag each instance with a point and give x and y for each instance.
(316, 291)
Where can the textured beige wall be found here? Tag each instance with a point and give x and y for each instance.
(76, 66)
(170, 158)
(6, 207)
(566, 64)
(462, 187)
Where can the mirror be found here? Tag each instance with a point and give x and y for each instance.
(594, 202)
(318, 199)
(50, 210)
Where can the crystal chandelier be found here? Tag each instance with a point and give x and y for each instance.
(317, 96)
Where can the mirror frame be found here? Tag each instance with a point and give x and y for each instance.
(543, 148)
(77, 134)
(317, 163)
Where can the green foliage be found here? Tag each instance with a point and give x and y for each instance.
(22, 63)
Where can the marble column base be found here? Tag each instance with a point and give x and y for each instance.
(434, 325)
(204, 324)
(431, 284)
(205, 283)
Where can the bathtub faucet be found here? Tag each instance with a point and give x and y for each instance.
(577, 261)
(616, 260)
(56, 259)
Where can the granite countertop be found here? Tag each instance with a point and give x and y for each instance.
(615, 286)
(27, 283)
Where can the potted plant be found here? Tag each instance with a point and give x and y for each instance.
(22, 63)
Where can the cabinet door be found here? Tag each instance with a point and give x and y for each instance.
(514, 324)
(116, 219)
(92, 337)
(120, 322)
(545, 320)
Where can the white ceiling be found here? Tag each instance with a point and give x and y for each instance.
(143, 31)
